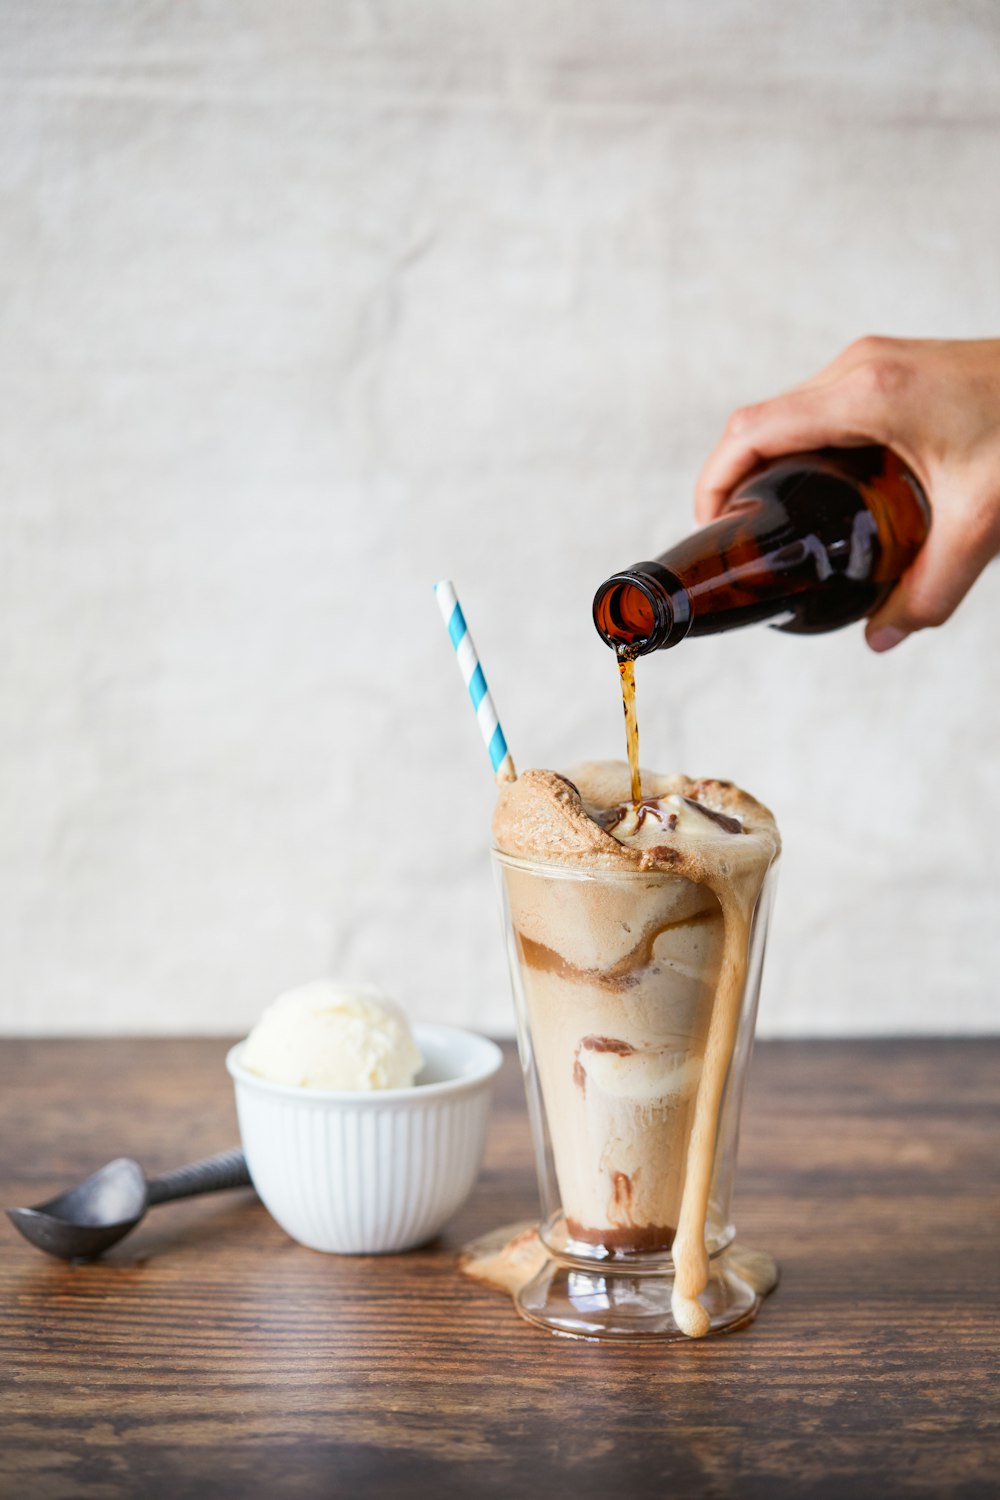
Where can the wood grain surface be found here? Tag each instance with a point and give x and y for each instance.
(208, 1355)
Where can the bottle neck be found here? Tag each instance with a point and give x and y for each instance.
(645, 608)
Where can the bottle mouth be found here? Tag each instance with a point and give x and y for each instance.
(630, 616)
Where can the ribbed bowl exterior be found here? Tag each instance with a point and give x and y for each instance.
(363, 1177)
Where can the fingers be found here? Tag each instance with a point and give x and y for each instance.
(962, 541)
(935, 404)
(853, 401)
(788, 424)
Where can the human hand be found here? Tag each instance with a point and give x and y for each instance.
(936, 403)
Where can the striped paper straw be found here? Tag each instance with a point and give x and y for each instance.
(472, 676)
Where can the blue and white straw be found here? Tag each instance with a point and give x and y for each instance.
(472, 676)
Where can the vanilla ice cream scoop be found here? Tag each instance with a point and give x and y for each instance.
(334, 1035)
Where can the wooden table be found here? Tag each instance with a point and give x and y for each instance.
(209, 1356)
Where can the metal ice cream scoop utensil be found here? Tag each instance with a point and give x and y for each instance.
(85, 1220)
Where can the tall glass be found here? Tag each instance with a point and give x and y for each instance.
(614, 976)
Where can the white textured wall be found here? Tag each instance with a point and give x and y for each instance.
(306, 305)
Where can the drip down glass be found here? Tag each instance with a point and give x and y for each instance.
(616, 976)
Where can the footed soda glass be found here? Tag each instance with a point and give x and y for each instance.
(615, 976)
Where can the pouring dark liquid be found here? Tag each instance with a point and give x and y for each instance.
(811, 542)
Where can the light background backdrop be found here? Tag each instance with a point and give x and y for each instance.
(306, 305)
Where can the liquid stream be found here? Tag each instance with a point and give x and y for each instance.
(626, 670)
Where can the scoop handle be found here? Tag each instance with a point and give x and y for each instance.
(227, 1170)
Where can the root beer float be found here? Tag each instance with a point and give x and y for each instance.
(633, 978)
(636, 909)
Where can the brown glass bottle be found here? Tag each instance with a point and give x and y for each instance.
(811, 542)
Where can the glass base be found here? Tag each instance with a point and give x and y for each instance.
(606, 1303)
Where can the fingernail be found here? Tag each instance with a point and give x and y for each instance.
(886, 637)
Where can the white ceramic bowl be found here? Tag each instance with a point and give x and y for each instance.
(371, 1172)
